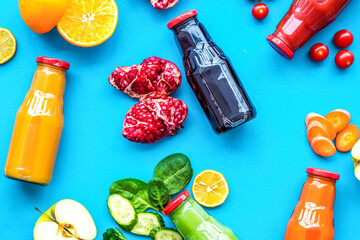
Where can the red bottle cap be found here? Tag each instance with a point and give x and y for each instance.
(176, 202)
(323, 173)
(181, 18)
(280, 47)
(53, 61)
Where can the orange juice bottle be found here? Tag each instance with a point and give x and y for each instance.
(313, 217)
(38, 125)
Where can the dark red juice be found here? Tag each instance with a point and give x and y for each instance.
(211, 75)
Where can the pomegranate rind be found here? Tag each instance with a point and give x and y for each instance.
(163, 4)
(153, 76)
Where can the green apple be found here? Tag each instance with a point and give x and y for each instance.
(68, 220)
(355, 153)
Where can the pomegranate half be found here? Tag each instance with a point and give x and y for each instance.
(154, 118)
(154, 75)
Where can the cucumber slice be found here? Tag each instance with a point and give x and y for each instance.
(164, 233)
(146, 222)
(122, 211)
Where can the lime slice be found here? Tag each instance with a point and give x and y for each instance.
(7, 45)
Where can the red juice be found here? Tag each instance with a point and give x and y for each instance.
(302, 21)
(211, 75)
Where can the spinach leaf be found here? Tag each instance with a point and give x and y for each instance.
(175, 171)
(158, 193)
(111, 234)
(136, 191)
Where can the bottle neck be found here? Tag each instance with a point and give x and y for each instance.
(319, 190)
(189, 33)
(49, 79)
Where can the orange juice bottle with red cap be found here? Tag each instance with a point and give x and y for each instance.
(38, 125)
(313, 217)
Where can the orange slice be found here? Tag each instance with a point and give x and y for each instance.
(210, 188)
(88, 23)
(7, 45)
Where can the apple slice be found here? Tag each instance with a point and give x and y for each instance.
(68, 220)
(355, 153)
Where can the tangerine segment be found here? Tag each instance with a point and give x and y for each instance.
(316, 129)
(325, 123)
(323, 146)
(88, 23)
(339, 118)
(210, 188)
(7, 45)
(347, 138)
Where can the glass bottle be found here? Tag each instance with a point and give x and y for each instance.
(211, 75)
(313, 217)
(193, 222)
(302, 21)
(38, 125)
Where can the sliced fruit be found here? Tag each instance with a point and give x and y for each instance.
(347, 138)
(122, 211)
(339, 118)
(165, 233)
(210, 188)
(42, 15)
(146, 222)
(355, 153)
(316, 129)
(66, 219)
(7, 45)
(88, 23)
(323, 146)
(326, 124)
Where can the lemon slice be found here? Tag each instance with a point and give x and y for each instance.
(88, 23)
(210, 188)
(7, 45)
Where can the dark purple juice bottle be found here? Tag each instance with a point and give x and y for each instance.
(211, 75)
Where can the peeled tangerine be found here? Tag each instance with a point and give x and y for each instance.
(324, 122)
(323, 146)
(42, 15)
(355, 152)
(339, 118)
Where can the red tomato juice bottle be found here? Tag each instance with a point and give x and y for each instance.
(211, 75)
(302, 21)
(313, 217)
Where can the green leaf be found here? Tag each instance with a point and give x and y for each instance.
(136, 191)
(111, 234)
(158, 193)
(175, 171)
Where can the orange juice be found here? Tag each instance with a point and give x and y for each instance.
(313, 217)
(38, 125)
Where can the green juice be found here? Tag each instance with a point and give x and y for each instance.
(195, 224)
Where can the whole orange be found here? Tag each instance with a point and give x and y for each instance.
(42, 15)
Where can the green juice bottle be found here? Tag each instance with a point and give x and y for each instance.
(193, 222)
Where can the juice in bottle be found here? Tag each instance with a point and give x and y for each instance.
(193, 222)
(38, 125)
(211, 75)
(313, 217)
(302, 21)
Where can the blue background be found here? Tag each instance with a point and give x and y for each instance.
(264, 160)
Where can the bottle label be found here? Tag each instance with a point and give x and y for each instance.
(310, 216)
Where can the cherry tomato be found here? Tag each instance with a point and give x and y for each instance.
(344, 59)
(260, 11)
(319, 52)
(343, 38)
